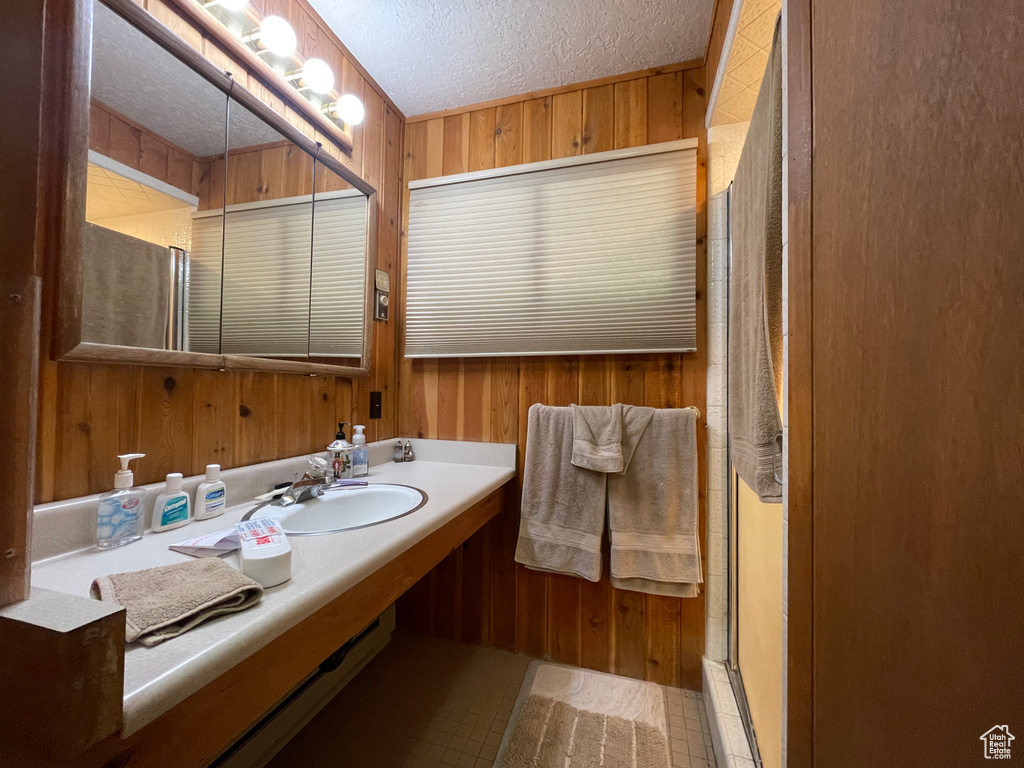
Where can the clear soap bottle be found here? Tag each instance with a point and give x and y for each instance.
(120, 518)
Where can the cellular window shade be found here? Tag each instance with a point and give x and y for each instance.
(589, 255)
(204, 286)
(339, 284)
(266, 273)
(266, 281)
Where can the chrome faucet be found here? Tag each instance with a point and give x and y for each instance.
(312, 487)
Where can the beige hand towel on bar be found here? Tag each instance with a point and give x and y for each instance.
(652, 508)
(755, 294)
(563, 506)
(164, 602)
(597, 437)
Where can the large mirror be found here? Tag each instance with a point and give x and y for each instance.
(215, 233)
(156, 162)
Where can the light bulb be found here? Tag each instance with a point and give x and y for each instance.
(349, 109)
(277, 36)
(316, 75)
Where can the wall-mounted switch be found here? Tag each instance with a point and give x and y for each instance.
(382, 286)
(375, 405)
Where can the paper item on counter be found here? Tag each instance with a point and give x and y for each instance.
(211, 545)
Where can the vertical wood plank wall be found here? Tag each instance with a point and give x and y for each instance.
(478, 594)
(184, 418)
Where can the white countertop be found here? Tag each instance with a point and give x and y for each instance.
(323, 567)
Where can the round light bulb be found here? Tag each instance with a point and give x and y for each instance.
(349, 109)
(233, 5)
(277, 36)
(317, 76)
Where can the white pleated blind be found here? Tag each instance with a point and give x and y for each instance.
(596, 255)
(339, 285)
(267, 309)
(204, 286)
(266, 281)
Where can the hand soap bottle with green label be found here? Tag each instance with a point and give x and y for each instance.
(172, 507)
(119, 519)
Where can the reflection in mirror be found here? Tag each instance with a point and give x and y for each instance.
(156, 145)
(337, 313)
(266, 241)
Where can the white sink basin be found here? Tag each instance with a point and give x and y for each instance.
(343, 510)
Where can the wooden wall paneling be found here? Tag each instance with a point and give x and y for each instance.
(630, 113)
(543, 614)
(215, 413)
(164, 417)
(918, 383)
(567, 124)
(481, 139)
(537, 130)
(598, 119)
(508, 139)
(665, 107)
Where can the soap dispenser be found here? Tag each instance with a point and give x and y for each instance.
(360, 455)
(120, 518)
(172, 508)
(339, 453)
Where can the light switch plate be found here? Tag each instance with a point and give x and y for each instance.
(382, 280)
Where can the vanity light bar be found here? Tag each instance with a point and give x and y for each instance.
(273, 34)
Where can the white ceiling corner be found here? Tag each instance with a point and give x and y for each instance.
(433, 55)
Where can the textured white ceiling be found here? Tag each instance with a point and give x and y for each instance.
(430, 55)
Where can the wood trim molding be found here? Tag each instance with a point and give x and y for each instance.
(611, 79)
(219, 713)
(800, 447)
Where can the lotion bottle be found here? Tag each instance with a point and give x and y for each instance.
(360, 455)
(120, 519)
(172, 507)
(340, 454)
(211, 495)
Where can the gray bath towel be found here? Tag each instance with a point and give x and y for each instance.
(653, 509)
(125, 289)
(563, 506)
(755, 294)
(164, 602)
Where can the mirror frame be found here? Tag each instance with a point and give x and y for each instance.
(68, 343)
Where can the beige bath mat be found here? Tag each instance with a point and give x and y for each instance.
(575, 718)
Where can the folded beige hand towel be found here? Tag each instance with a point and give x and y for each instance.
(597, 437)
(164, 602)
(563, 506)
(652, 508)
(604, 436)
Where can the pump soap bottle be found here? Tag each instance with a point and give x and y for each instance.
(360, 455)
(120, 518)
(172, 507)
(339, 453)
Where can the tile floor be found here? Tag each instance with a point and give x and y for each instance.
(430, 703)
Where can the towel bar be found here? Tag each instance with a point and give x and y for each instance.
(695, 409)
